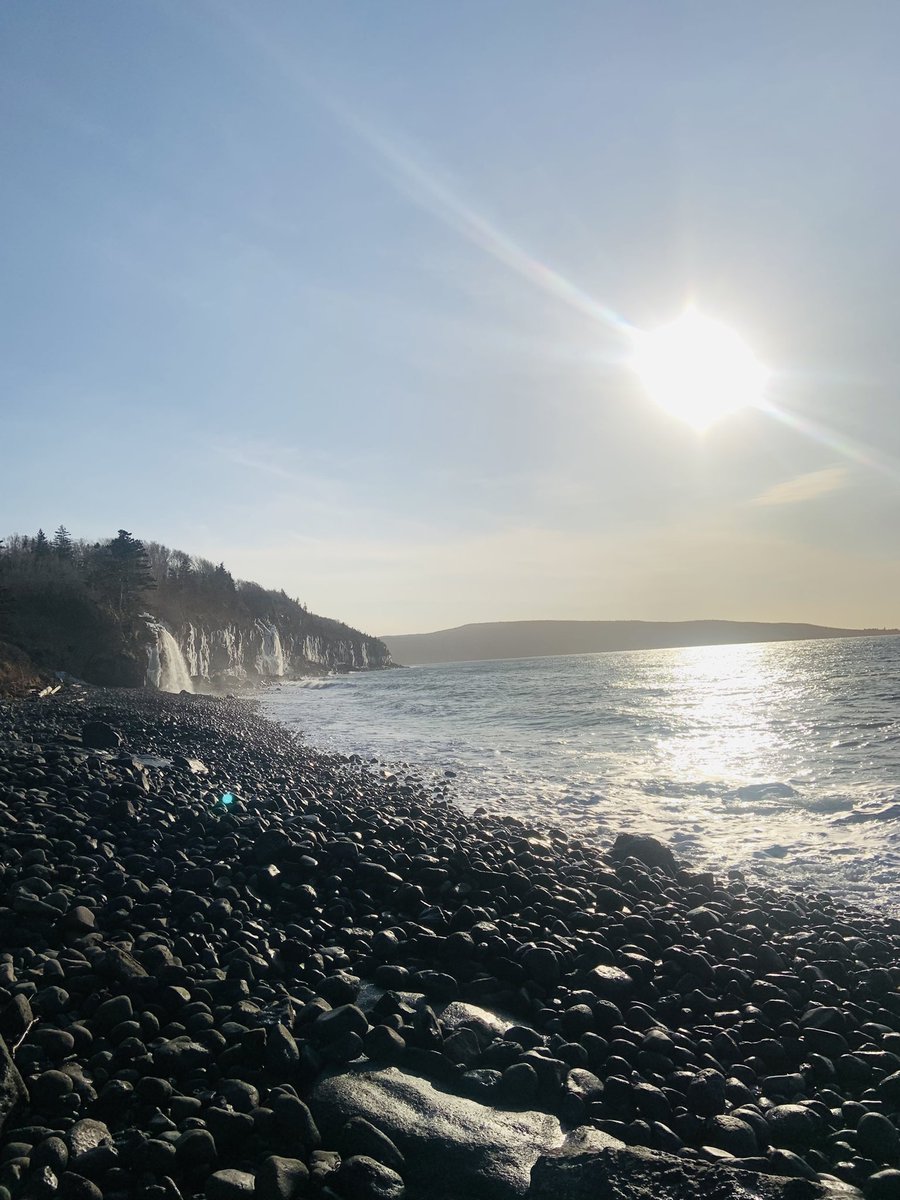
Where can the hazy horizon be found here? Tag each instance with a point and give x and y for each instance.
(346, 298)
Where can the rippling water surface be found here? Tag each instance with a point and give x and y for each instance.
(782, 759)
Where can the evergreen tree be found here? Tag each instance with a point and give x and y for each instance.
(125, 572)
(62, 543)
(40, 545)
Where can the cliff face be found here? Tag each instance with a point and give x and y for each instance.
(263, 650)
(257, 649)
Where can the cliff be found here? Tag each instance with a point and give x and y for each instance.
(250, 649)
(125, 613)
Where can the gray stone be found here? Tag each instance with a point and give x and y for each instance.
(12, 1086)
(85, 1136)
(229, 1185)
(590, 1165)
(453, 1146)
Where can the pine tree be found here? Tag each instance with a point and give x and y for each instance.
(40, 545)
(62, 543)
(125, 572)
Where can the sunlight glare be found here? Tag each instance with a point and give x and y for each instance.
(698, 369)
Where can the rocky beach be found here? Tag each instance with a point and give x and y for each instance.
(234, 966)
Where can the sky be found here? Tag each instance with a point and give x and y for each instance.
(345, 294)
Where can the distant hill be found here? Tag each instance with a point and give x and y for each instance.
(532, 639)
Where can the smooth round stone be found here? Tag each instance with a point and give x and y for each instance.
(75, 1187)
(195, 1147)
(347, 1018)
(883, 1185)
(281, 1178)
(519, 1085)
(383, 1042)
(877, 1137)
(542, 964)
(360, 1136)
(794, 1127)
(734, 1135)
(50, 1087)
(56, 1043)
(52, 1152)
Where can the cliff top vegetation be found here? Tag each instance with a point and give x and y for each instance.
(75, 605)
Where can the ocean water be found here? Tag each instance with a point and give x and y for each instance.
(779, 759)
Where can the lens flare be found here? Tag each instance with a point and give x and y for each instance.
(699, 370)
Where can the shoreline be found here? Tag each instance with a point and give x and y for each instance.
(337, 983)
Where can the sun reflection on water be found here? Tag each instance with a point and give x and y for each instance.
(717, 714)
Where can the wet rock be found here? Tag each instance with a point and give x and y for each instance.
(646, 849)
(85, 1137)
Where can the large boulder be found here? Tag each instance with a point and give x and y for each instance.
(646, 849)
(452, 1146)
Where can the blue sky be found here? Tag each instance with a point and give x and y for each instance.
(336, 293)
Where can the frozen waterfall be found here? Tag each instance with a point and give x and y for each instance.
(167, 668)
(270, 659)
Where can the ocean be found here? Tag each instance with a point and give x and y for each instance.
(781, 760)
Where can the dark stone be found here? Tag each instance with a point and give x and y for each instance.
(295, 1123)
(16, 1018)
(732, 1134)
(706, 1093)
(100, 736)
(360, 1136)
(281, 1179)
(196, 1147)
(229, 1185)
(883, 1185)
(519, 1085)
(794, 1127)
(384, 1042)
(645, 849)
(73, 1186)
(877, 1137)
(347, 1018)
(362, 1178)
(542, 965)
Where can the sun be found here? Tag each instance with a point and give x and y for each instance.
(698, 369)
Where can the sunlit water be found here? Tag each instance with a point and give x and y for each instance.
(781, 759)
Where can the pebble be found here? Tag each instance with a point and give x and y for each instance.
(179, 974)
